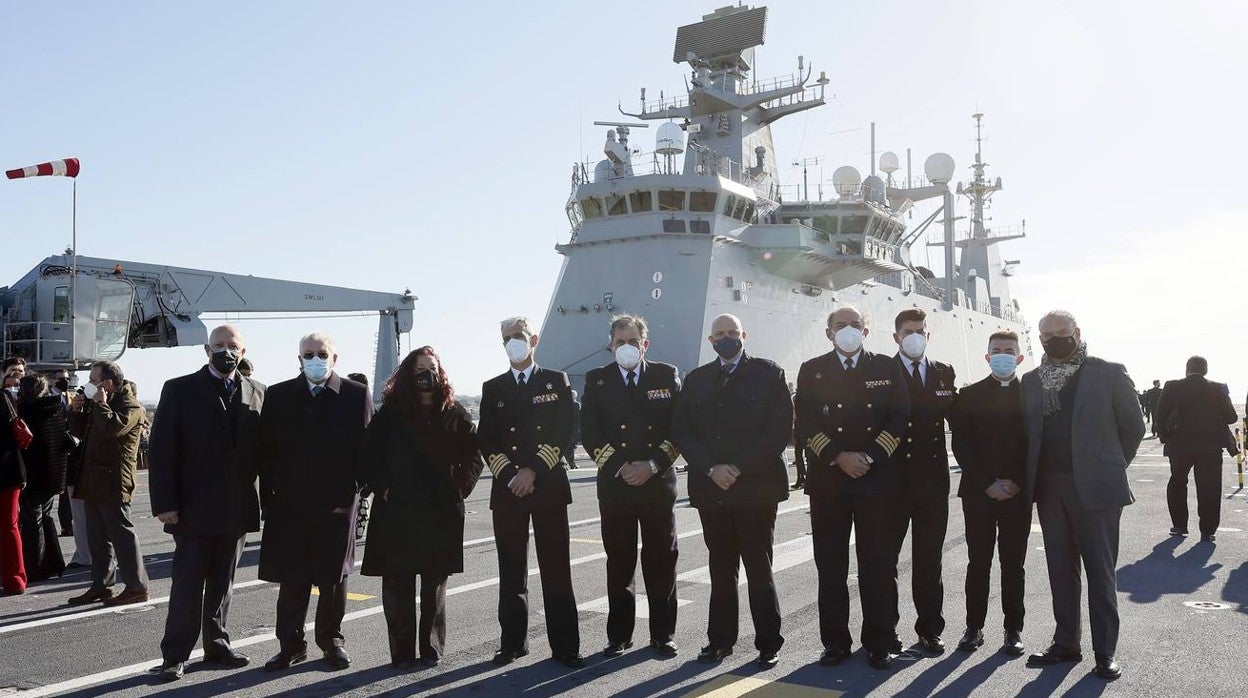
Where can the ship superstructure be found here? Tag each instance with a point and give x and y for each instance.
(702, 226)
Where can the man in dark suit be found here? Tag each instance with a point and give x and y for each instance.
(625, 423)
(990, 443)
(525, 423)
(1077, 475)
(733, 422)
(1152, 396)
(925, 476)
(311, 434)
(203, 461)
(853, 408)
(1193, 414)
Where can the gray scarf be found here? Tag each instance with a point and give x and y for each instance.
(1053, 377)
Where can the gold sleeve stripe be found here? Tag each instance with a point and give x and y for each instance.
(549, 454)
(669, 449)
(818, 442)
(497, 462)
(888, 442)
(602, 455)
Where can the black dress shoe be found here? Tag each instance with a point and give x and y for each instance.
(430, 662)
(229, 658)
(971, 640)
(1176, 531)
(285, 660)
(403, 664)
(832, 656)
(1055, 654)
(615, 649)
(1208, 538)
(91, 595)
(798, 485)
(767, 659)
(932, 644)
(505, 657)
(169, 671)
(881, 660)
(572, 661)
(1013, 645)
(1107, 668)
(710, 653)
(337, 658)
(667, 648)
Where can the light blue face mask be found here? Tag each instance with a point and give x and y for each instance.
(1003, 365)
(316, 369)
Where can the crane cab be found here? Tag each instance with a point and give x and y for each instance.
(55, 320)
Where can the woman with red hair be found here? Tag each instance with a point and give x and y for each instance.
(421, 463)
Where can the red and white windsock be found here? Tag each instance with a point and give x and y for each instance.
(61, 168)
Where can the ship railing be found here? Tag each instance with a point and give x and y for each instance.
(997, 232)
(769, 84)
(664, 103)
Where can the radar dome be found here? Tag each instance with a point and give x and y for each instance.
(939, 168)
(670, 139)
(889, 163)
(846, 179)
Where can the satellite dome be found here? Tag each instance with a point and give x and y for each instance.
(670, 139)
(939, 168)
(846, 179)
(889, 163)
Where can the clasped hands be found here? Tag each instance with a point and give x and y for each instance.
(636, 473)
(853, 463)
(725, 475)
(1002, 489)
(522, 484)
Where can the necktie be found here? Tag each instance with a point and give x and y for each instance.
(632, 379)
(520, 380)
(725, 372)
(316, 390)
(229, 387)
(918, 377)
(849, 364)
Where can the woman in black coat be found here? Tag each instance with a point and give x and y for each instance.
(421, 461)
(45, 478)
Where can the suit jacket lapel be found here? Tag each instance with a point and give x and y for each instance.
(206, 386)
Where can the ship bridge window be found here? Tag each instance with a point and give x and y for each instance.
(748, 214)
(673, 225)
(591, 207)
(671, 200)
(854, 225)
(826, 224)
(702, 201)
(616, 205)
(730, 201)
(60, 304)
(641, 201)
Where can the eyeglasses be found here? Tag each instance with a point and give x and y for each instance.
(308, 356)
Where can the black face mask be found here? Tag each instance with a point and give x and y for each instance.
(1059, 348)
(727, 347)
(62, 384)
(426, 382)
(225, 360)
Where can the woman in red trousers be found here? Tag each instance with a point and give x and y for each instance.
(12, 480)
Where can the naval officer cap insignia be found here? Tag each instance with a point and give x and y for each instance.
(550, 387)
(818, 376)
(600, 381)
(500, 403)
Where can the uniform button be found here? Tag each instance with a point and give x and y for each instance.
(623, 426)
(909, 424)
(649, 445)
(840, 429)
(907, 455)
(539, 427)
(513, 448)
(623, 445)
(868, 405)
(908, 439)
(513, 428)
(649, 428)
(839, 406)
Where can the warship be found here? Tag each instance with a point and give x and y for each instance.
(702, 226)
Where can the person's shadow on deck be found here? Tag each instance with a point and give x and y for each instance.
(1159, 573)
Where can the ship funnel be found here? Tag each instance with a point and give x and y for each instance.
(889, 163)
(939, 168)
(846, 179)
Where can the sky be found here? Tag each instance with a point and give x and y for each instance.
(395, 145)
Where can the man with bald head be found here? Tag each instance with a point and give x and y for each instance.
(732, 423)
(202, 469)
(1077, 475)
(853, 409)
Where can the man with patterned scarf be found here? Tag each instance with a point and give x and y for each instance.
(1076, 474)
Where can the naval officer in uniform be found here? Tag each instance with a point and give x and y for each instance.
(925, 477)
(525, 423)
(733, 422)
(625, 419)
(852, 408)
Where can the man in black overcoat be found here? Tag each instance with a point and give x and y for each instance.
(733, 422)
(625, 423)
(202, 476)
(525, 423)
(311, 436)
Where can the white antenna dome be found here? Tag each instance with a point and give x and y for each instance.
(670, 139)
(889, 163)
(939, 168)
(846, 179)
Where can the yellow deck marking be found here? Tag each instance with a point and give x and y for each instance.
(351, 596)
(732, 686)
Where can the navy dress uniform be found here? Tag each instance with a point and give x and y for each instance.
(925, 475)
(738, 414)
(626, 416)
(526, 421)
(862, 405)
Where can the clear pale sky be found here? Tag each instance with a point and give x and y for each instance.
(389, 145)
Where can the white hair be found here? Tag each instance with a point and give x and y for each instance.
(853, 308)
(1059, 315)
(321, 338)
(521, 320)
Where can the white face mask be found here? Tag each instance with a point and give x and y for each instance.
(517, 350)
(89, 390)
(627, 356)
(316, 369)
(848, 339)
(913, 345)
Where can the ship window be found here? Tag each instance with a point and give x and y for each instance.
(738, 209)
(826, 224)
(702, 201)
(854, 225)
(616, 205)
(748, 217)
(592, 207)
(671, 200)
(700, 226)
(60, 304)
(729, 202)
(673, 225)
(641, 201)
